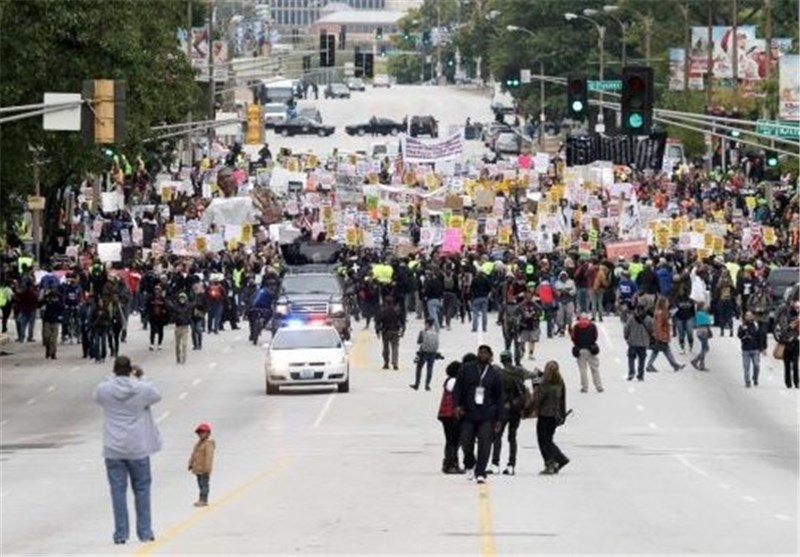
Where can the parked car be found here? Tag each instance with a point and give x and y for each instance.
(376, 126)
(302, 125)
(424, 125)
(337, 91)
(312, 113)
(355, 84)
(381, 80)
(489, 133)
(781, 283)
(507, 142)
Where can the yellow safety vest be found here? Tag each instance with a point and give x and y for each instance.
(635, 269)
(237, 277)
(733, 269)
(487, 267)
(24, 261)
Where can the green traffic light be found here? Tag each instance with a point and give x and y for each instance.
(635, 121)
(772, 161)
(735, 133)
(577, 106)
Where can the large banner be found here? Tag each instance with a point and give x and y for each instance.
(197, 51)
(752, 55)
(418, 150)
(789, 87)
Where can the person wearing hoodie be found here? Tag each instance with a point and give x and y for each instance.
(130, 437)
(585, 350)
(637, 332)
(662, 334)
(182, 312)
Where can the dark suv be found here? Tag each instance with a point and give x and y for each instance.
(311, 292)
(424, 125)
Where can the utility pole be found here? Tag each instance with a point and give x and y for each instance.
(36, 214)
(710, 58)
(188, 139)
(541, 105)
(211, 82)
(438, 44)
(687, 44)
(648, 33)
(735, 53)
(768, 34)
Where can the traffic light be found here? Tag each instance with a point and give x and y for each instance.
(254, 126)
(771, 159)
(359, 63)
(637, 99)
(369, 61)
(331, 51)
(323, 49)
(577, 97)
(103, 116)
(512, 80)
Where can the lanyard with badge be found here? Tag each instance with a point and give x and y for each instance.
(480, 391)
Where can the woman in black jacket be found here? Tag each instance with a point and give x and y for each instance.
(550, 402)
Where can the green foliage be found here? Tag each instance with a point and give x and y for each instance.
(405, 68)
(54, 46)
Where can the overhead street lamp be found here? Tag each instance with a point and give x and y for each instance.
(513, 28)
(607, 11)
(647, 22)
(601, 34)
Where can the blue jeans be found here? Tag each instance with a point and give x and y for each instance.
(215, 317)
(685, 329)
(636, 353)
(434, 311)
(118, 471)
(99, 338)
(425, 359)
(582, 300)
(25, 323)
(203, 482)
(480, 308)
(751, 357)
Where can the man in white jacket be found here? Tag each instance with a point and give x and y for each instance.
(130, 436)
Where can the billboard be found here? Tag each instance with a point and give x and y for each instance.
(752, 58)
(197, 51)
(789, 87)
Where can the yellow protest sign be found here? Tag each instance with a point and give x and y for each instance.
(231, 245)
(167, 192)
(768, 234)
(471, 226)
(703, 253)
(699, 225)
(504, 235)
(675, 228)
(201, 243)
(456, 221)
(662, 237)
(719, 215)
(327, 213)
(330, 230)
(431, 181)
(170, 231)
(750, 201)
(247, 233)
(397, 227)
(351, 236)
(708, 240)
(312, 162)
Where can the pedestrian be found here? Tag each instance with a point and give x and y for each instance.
(514, 396)
(433, 294)
(428, 351)
(52, 312)
(130, 437)
(598, 291)
(118, 319)
(198, 315)
(100, 327)
(479, 402)
(661, 336)
(565, 291)
(751, 355)
(702, 324)
(182, 313)
(531, 312)
(158, 314)
(6, 295)
(215, 296)
(25, 302)
(787, 334)
(480, 289)
(202, 461)
(450, 423)
(550, 407)
(388, 327)
(586, 350)
(684, 321)
(637, 333)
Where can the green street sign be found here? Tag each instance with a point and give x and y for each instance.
(609, 85)
(782, 129)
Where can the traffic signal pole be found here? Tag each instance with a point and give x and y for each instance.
(211, 83)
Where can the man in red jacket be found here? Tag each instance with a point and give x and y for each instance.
(585, 350)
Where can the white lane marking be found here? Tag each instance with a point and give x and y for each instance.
(50, 389)
(31, 401)
(196, 382)
(685, 461)
(631, 390)
(3, 423)
(652, 425)
(163, 417)
(212, 365)
(783, 517)
(724, 485)
(183, 395)
(640, 408)
(749, 498)
(324, 410)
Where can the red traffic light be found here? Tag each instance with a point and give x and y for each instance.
(637, 89)
(576, 86)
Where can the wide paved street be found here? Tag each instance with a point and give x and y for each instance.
(685, 462)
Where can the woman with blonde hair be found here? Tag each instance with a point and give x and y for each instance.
(550, 403)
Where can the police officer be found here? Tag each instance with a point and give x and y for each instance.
(478, 397)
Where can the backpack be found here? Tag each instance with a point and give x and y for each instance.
(214, 292)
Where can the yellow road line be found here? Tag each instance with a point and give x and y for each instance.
(487, 531)
(358, 353)
(203, 513)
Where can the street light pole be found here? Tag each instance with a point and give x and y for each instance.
(541, 85)
(601, 33)
(623, 29)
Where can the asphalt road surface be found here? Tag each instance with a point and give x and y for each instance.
(685, 462)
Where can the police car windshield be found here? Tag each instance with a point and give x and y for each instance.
(306, 339)
(310, 284)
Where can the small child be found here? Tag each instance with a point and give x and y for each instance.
(202, 461)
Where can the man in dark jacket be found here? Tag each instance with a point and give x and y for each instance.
(182, 313)
(478, 397)
(480, 289)
(749, 337)
(434, 292)
(52, 310)
(585, 350)
(389, 328)
(514, 394)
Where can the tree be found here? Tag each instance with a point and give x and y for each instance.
(54, 46)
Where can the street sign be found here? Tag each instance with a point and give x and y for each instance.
(66, 119)
(608, 85)
(525, 76)
(36, 203)
(783, 129)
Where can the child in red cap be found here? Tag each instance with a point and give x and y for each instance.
(202, 461)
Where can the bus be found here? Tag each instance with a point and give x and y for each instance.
(282, 91)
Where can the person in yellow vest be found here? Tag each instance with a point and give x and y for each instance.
(6, 294)
(635, 267)
(24, 263)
